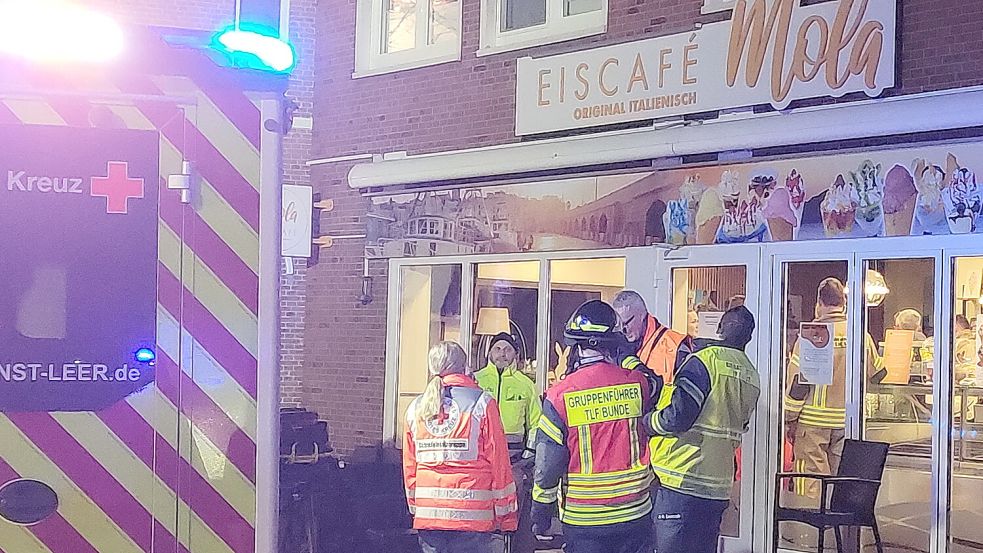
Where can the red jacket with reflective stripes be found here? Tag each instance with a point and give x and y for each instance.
(456, 466)
(591, 453)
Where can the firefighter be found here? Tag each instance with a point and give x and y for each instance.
(456, 468)
(520, 407)
(591, 452)
(700, 427)
(659, 347)
(815, 414)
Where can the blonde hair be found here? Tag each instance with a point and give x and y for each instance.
(444, 358)
(908, 319)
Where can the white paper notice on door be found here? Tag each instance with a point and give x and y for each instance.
(816, 353)
(708, 322)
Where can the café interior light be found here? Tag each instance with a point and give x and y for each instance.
(875, 288)
(492, 321)
(54, 31)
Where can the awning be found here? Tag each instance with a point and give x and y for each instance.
(900, 115)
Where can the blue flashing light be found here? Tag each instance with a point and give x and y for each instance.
(256, 47)
(145, 355)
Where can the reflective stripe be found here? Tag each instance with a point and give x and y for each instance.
(657, 424)
(825, 417)
(690, 388)
(607, 514)
(716, 432)
(410, 494)
(631, 362)
(614, 477)
(586, 455)
(702, 478)
(550, 429)
(413, 509)
(502, 510)
(635, 446)
(463, 494)
(455, 514)
(541, 495)
(794, 404)
(505, 492)
(608, 492)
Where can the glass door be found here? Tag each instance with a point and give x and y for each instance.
(809, 375)
(962, 511)
(694, 286)
(854, 345)
(899, 388)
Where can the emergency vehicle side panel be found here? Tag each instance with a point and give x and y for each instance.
(170, 467)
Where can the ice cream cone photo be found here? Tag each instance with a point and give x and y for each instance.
(869, 186)
(929, 209)
(962, 197)
(839, 209)
(708, 216)
(900, 196)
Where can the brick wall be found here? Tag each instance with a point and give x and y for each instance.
(183, 14)
(296, 153)
(469, 104)
(435, 108)
(344, 353)
(213, 15)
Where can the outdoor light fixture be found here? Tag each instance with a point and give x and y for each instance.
(52, 31)
(255, 47)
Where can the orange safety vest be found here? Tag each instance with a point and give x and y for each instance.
(456, 466)
(660, 346)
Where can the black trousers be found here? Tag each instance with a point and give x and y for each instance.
(686, 524)
(624, 537)
(449, 541)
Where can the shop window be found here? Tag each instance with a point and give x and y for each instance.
(714, 6)
(429, 312)
(515, 24)
(966, 481)
(392, 35)
(573, 282)
(506, 300)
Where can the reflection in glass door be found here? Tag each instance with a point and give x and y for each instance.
(429, 312)
(573, 282)
(506, 299)
(703, 283)
(965, 511)
(700, 295)
(814, 302)
(899, 376)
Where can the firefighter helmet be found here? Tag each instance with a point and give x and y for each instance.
(594, 324)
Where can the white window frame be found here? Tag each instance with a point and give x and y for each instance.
(716, 6)
(557, 28)
(369, 38)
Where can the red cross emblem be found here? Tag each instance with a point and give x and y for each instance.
(117, 187)
(442, 416)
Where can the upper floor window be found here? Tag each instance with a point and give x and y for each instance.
(515, 24)
(392, 35)
(713, 6)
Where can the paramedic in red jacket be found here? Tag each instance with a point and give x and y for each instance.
(592, 456)
(456, 464)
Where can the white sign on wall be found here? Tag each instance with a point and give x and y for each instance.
(295, 240)
(769, 52)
